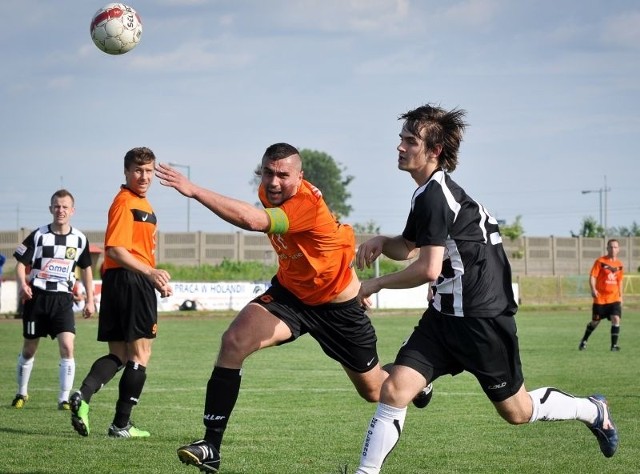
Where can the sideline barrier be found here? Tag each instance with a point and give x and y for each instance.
(233, 295)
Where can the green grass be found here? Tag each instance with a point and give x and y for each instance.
(297, 412)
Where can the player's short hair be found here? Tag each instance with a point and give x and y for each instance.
(60, 193)
(138, 156)
(278, 151)
(275, 152)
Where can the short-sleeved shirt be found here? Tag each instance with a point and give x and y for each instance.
(132, 225)
(608, 274)
(315, 251)
(53, 258)
(476, 275)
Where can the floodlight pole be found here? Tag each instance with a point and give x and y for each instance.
(188, 168)
(603, 210)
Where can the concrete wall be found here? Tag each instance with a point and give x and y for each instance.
(529, 256)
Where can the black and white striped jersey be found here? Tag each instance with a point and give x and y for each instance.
(476, 275)
(53, 258)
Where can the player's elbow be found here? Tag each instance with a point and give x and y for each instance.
(252, 224)
(430, 273)
(256, 222)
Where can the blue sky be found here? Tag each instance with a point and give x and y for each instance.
(552, 90)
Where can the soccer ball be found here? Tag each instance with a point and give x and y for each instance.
(116, 28)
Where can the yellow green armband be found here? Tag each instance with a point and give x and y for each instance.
(279, 220)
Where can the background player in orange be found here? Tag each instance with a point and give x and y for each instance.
(314, 290)
(605, 281)
(128, 305)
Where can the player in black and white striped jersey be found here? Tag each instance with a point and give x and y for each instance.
(52, 253)
(469, 324)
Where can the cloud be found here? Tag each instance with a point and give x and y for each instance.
(470, 13)
(347, 15)
(622, 30)
(60, 82)
(192, 57)
(403, 63)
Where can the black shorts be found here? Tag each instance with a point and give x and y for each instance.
(48, 313)
(605, 311)
(485, 347)
(128, 307)
(343, 330)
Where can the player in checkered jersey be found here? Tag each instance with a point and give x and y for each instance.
(52, 252)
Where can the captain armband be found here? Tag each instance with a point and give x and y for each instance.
(279, 220)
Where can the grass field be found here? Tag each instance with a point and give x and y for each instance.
(297, 412)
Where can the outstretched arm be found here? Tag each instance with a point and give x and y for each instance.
(236, 212)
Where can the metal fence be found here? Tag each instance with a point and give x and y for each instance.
(529, 256)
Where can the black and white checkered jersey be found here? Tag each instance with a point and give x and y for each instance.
(53, 258)
(476, 275)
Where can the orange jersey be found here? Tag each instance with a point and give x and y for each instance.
(315, 252)
(608, 274)
(132, 225)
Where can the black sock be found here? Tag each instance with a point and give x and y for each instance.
(615, 333)
(588, 332)
(130, 388)
(102, 370)
(222, 393)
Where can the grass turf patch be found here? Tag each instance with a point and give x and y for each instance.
(297, 411)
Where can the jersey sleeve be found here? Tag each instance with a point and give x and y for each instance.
(120, 227)
(300, 213)
(429, 219)
(84, 261)
(595, 269)
(25, 251)
(620, 273)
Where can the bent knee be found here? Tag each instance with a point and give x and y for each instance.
(28, 354)
(516, 419)
(515, 415)
(370, 395)
(235, 344)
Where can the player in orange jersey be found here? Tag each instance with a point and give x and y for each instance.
(605, 281)
(129, 309)
(314, 290)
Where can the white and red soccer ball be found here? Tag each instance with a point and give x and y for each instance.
(116, 28)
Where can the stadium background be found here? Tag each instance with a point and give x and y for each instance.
(548, 270)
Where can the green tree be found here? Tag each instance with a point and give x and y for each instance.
(623, 231)
(369, 227)
(590, 228)
(323, 172)
(513, 231)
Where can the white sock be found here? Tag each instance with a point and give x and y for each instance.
(67, 373)
(23, 373)
(550, 404)
(382, 435)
